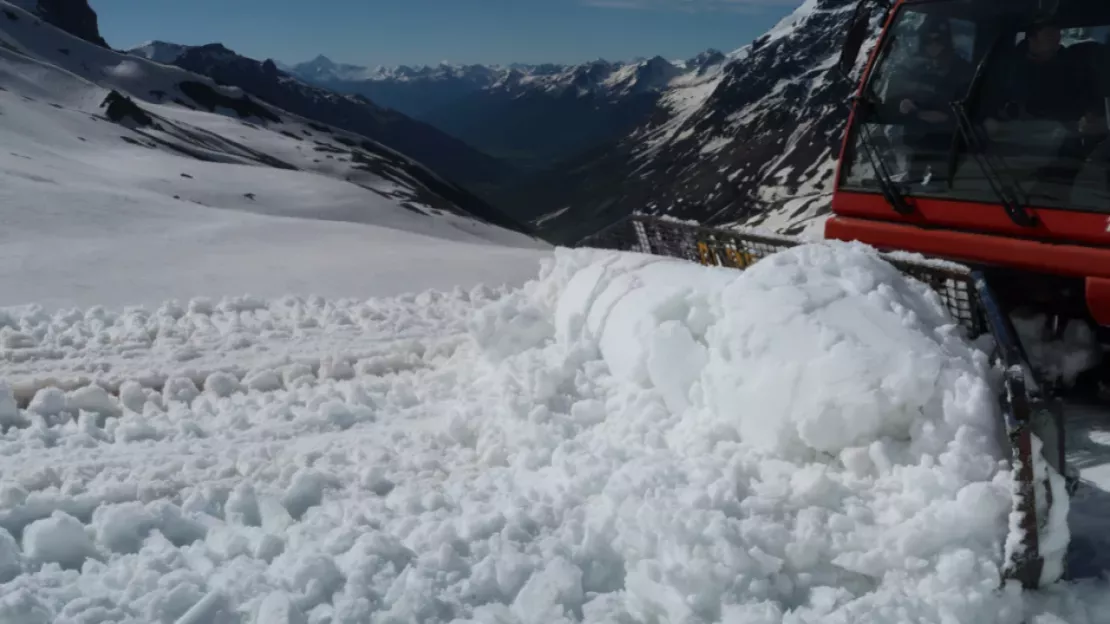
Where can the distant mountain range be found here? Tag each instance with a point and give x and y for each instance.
(747, 137)
(531, 115)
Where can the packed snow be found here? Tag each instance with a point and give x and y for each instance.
(625, 438)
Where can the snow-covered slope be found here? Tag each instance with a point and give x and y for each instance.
(753, 143)
(625, 439)
(178, 89)
(428, 145)
(110, 200)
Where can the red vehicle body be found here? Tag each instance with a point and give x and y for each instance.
(1062, 258)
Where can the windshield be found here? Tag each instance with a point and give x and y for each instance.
(1041, 105)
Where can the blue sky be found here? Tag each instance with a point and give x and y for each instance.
(392, 32)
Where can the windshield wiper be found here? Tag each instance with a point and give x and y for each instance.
(887, 185)
(967, 130)
(1006, 193)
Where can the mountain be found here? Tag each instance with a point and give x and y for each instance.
(532, 115)
(539, 119)
(441, 152)
(159, 51)
(79, 120)
(413, 90)
(75, 17)
(752, 140)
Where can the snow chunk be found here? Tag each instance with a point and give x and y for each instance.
(336, 367)
(60, 539)
(552, 594)
(121, 528)
(133, 396)
(338, 414)
(48, 402)
(278, 608)
(9, 410)
(263, 381)
(133, 428)
(221, 384)
(297, 374)
(305, 491)
(95, 399)
(11, 561)
(242, 506)
(180, 389)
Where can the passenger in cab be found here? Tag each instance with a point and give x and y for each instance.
(936, 76)
(1044, 81)
(1049, 95)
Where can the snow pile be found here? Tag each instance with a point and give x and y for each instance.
(824, 417)
(624, 439)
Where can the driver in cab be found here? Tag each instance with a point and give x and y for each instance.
(935, 76)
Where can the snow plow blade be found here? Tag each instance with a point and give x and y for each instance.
(1026, 412)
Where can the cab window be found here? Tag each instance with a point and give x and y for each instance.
(1038, 114)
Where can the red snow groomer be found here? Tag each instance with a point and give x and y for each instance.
(980, 134)
(979, 142)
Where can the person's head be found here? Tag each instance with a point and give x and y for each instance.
(936, 38)
(1044, 40)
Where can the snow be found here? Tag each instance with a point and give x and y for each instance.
(714, 145)
(96, 213)
(623, 438)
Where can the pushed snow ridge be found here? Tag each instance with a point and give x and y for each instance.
(624, 439)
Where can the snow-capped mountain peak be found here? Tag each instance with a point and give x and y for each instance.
(599, 76)
(323, 67)
(158, 51)
(653, 74)
(704, 61)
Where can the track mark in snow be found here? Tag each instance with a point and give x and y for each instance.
(238, 337)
